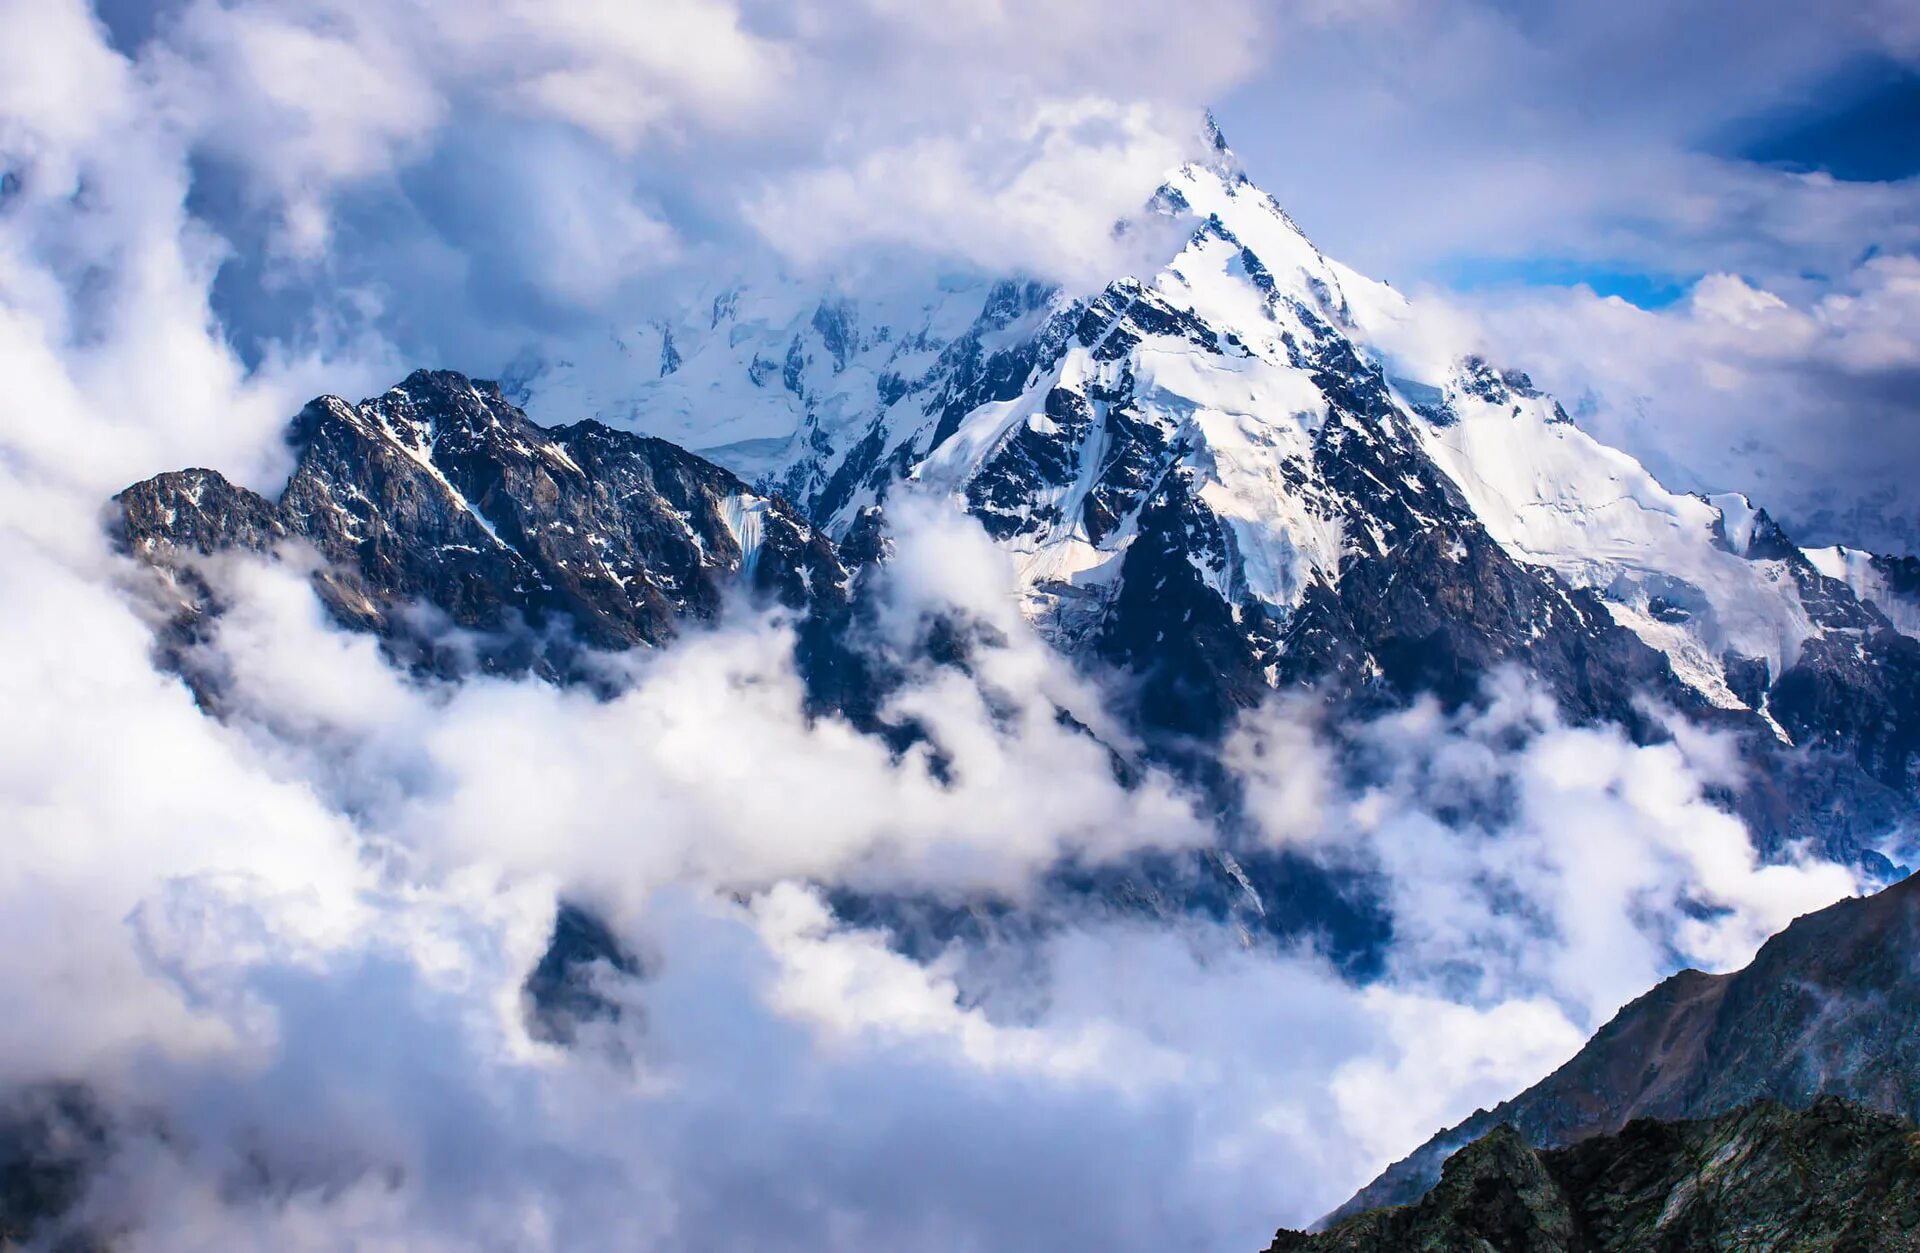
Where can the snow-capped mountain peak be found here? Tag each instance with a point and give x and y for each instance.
(1248, 467)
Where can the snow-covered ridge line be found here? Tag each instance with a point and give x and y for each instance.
(1066, 424)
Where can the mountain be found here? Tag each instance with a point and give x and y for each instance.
(1253, 468)
(1248, 469)
(1245, 472)
(1761, 1178)
(463, 533)
(1826, 1008)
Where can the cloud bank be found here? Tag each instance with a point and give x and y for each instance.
(286, 947)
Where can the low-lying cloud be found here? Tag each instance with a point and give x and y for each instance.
(297, 977)
(285, 947)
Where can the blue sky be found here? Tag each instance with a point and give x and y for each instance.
(1550, 146)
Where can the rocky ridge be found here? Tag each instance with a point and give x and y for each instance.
(1760, 1179)
(1826, 1008)
(468, 537)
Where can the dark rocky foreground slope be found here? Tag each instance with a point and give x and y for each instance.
(1760, 1179)
(1829, 1007)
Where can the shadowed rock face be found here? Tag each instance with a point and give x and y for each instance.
(561, 993)
(1764, 1177)
(51, 1139)
(1827, 1008)
(438, 504)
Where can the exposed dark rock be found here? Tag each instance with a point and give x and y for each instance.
(532, 542)
(1760, 1179)
(563, 992)
(1826, 1008)
(1857, 693)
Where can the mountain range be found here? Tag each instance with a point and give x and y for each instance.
(1247, 471)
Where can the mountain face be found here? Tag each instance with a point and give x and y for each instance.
(460, 531)
(1762, 1178)
(1253, 469)
(1826, 1008)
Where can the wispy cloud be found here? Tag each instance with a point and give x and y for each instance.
(287, 946)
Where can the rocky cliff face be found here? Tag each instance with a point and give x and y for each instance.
(1760, 1179)
(440, 517)
(1826, 1008)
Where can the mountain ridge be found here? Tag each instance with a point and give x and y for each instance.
(1824, 1009)
(1253, 470)
(1761, 1177)
(440, 493)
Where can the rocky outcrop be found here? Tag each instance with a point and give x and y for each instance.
(563, 991)
(1761, 1179)
(439, 516)
(1827, 1008)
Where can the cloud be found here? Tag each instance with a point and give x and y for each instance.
(287, 946)
(301, 959)
(1035, 191)
(707, 766)
(795, 1083)
(319, 944)
(1486, 115)
(497, 173)
(1804, 402)
(1519, 856)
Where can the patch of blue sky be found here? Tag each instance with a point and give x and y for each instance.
(1649, 290)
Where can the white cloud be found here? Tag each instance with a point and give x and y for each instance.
(1524, 857)
(1034, 191)
(996, 136)
(1804, 402)
(296, 938)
